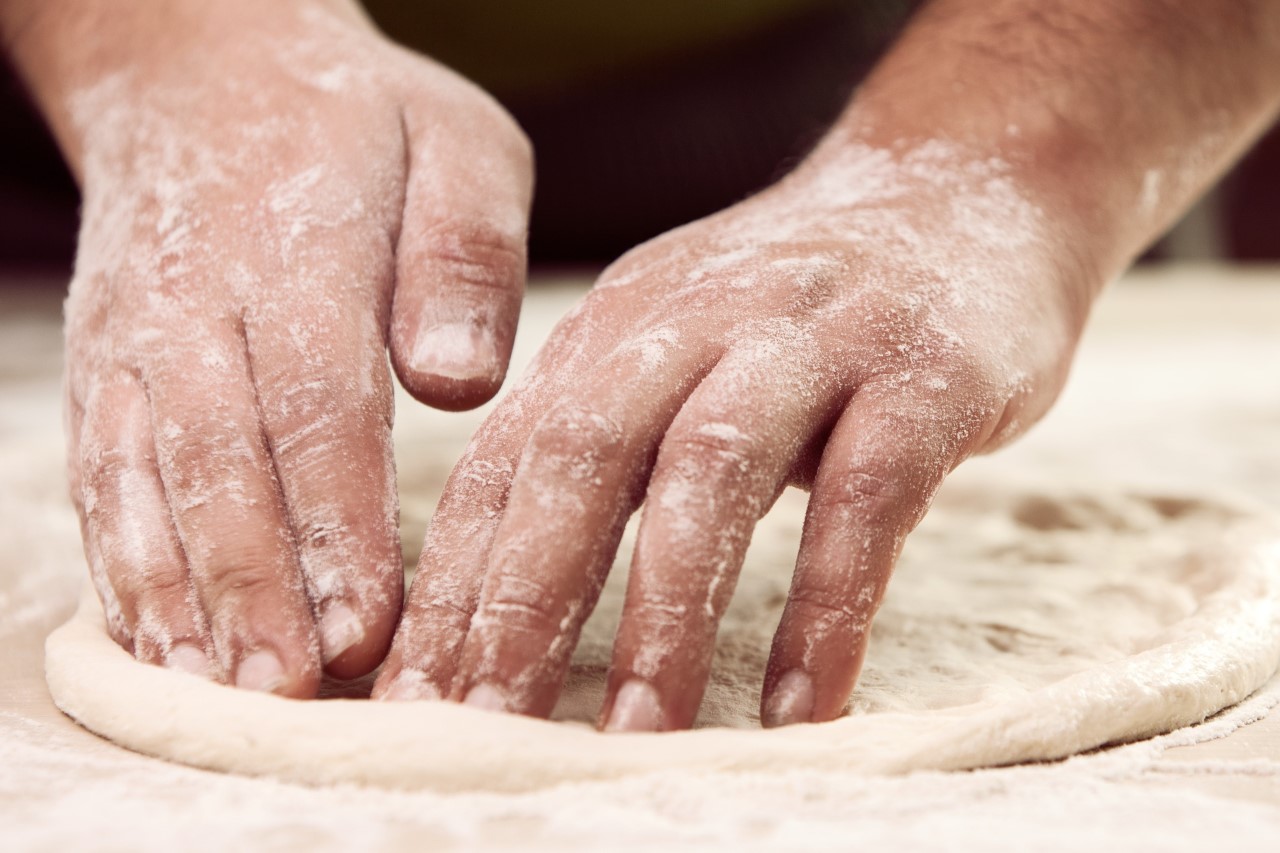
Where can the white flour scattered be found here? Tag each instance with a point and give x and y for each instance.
(60, 788)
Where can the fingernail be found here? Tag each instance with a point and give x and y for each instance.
(190, 659)
(409, 687)
(486, 697)
(340, 629)
(791, 702)
(261, 671)
(635, 709)
(456, 351)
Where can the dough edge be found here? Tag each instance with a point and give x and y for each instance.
(1215, 658)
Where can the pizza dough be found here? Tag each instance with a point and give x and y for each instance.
(1022, 624)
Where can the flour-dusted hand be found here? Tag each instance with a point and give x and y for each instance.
(909, 296)
(861, 327)
(273, 195)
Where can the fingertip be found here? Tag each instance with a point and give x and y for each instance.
(460, 351)
(791, 701)
(261, 671)
(340, 630)
(453, 366)
(352, 644)
(636, 708)
(406, 686)
(486, 697)
(265, 670)
(459, 284)
(191, 659)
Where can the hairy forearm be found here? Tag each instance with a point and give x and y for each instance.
(1119, 113)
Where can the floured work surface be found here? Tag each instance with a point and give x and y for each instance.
(1020, 625)
(1173, 394)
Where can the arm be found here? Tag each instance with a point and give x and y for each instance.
(60, 47)
(273, 197)
(909, 296)
(1119, 114)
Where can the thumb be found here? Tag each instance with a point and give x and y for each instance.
(461, 256)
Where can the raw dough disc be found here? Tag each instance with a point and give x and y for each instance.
(1022, 624)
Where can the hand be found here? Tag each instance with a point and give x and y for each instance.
(859, 329)
(273, 196)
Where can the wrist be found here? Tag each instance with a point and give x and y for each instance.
(62, 47)
(1111, 118)
(1031, 178)
(954, 210)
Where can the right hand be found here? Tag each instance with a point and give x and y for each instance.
(858, 329)
(268, 207)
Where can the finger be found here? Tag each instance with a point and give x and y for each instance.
(446, 586)
(880, 469)
(326, 406)
(581, 475)
(461, 253)
(425, 653)
(129, 533)
(230, 516)
(73, 424)
(75, 391)
(722, 463)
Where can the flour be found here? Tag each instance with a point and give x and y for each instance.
(1062, 807)
(1043, 636)
(62, 788)
(233, 293)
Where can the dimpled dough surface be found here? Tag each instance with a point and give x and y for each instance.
(1024, 622)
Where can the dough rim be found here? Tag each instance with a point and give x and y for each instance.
(1219, 655)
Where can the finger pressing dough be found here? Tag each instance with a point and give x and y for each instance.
(1023, 623)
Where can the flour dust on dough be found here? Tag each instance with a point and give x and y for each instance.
(1022, 624)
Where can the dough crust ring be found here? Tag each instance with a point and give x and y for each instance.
(1222, 651)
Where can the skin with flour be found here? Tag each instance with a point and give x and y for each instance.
(266, 212)
(910, 295)
(267, 209)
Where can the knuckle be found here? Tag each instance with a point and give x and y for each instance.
(242, 574)
(100, 471)
(200, 450)
(868, 496)
(138, 584)
(333, 551)
(577, 432)
(444, 596)
(446, 616)
(348, 549)
(663, 612)
(519, 602)
(477, 483)
(310, 434)
(169, 581)
(474, 254)
(716, 449)
(968, 373)
(710, 470)
(502, 127)
(859, 487)
(327, 530)
(827, 609)
(303, 420)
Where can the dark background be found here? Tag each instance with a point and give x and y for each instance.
(656, 135)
